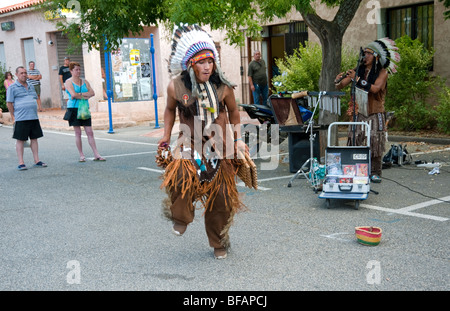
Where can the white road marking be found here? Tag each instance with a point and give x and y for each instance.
(151, 169)
(334, 236)
(242, 184)
(430, 151)
(403, 212)
(424, 204)
(407, 211)
(275, 178)
(128, 154)
(105, 139)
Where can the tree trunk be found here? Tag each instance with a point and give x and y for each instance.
(330, 34)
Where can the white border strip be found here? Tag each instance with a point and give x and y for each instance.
(424, 204)
(403, 212)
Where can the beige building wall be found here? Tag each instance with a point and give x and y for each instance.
(362, 31)
(31, 24)
(28, 25)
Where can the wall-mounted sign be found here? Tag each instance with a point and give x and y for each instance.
(8, 26)
(131, 70)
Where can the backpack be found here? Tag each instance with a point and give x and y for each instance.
(397, 155)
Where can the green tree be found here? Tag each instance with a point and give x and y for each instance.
(115, 19)
(412, 89)
(244, 14)
(443, 110)
(100, 19)
(301, 71)
(2, 88)
(447, 6)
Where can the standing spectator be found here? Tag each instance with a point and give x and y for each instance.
(64, 74)
(257, 78)
(34, 77)
(8, 81)
(21, 100)
(78, 89)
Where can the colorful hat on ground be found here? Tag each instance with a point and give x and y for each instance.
(188, 40)
(370, 236)
(387, 51)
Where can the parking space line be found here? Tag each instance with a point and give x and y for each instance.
(150, 169)
(430, 151)
(242, 184)
(128, 154)
(403, 212)
(105, 139)
(424, 204)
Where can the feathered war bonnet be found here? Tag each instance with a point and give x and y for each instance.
(187, 41)
(386, 50)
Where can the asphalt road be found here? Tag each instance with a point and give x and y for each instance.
(98, 226)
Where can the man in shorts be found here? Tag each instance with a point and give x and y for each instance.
(22, 104)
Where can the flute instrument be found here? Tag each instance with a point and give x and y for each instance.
(341, 78)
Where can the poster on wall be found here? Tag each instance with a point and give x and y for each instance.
(145, 70)
(131, 70)
(134, 57)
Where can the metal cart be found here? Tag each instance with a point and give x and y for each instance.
(347, 169)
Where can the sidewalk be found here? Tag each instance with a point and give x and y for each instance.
(52, 119)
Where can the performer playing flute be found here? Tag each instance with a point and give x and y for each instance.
(370, 93)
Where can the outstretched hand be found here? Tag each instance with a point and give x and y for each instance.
(163, 143)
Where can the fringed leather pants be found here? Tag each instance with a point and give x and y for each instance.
(218, 212)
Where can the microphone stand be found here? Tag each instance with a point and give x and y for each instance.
(353, 90)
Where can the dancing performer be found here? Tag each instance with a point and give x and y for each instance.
(370, 92)
(203, 166)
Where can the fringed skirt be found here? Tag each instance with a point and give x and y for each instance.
(181, 176)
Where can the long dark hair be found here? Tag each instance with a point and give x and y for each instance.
(374, 71)
(8, 73)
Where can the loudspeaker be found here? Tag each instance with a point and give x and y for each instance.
(299, 151)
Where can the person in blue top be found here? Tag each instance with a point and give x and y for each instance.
(21, 100)
(78, 89)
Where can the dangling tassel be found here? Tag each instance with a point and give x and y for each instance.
(225, 180)
(195, 91)
(225, 241)
(181, 173)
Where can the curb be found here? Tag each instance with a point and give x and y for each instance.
(399, 138)
(429, 140)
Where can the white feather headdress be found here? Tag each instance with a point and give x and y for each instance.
(387, 51)
(188, 40)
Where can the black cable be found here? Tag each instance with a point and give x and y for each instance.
(415, 191)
